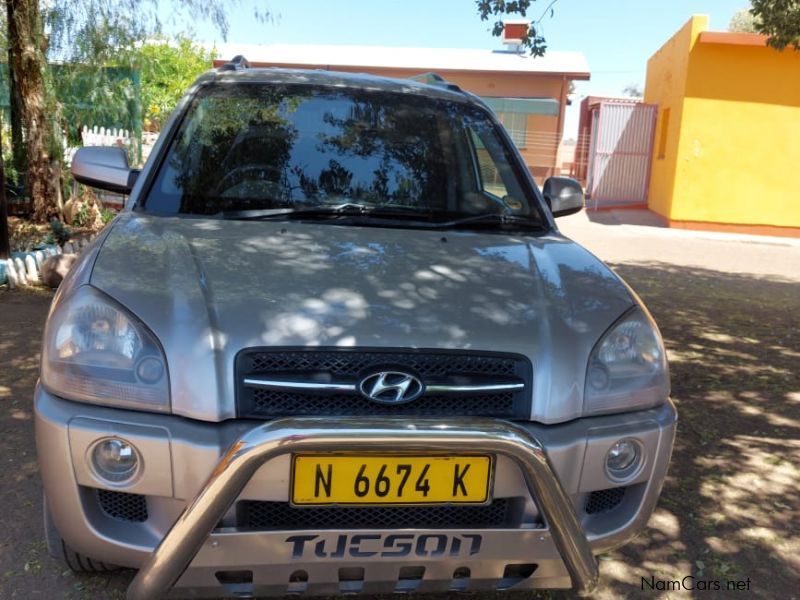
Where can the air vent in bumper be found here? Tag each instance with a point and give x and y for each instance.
(123, 506)
(265, 516)
(603, 501)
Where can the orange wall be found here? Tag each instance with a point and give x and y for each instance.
(732, 148)
(741, 142)
(666, 86)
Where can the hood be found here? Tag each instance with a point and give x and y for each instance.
(209, 288)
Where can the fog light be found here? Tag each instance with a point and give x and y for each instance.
(115, 460)
(623, 458)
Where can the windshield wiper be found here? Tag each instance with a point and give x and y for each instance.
(419, 217)
(490, 219)
(346, 209)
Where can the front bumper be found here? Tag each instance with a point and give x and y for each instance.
(194, 472)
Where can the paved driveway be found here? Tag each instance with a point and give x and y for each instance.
(729, 309)
(637, 237)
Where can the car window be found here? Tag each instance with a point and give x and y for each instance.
(490, 179)
(263, 146)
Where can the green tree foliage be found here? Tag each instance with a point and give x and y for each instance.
(114, 64)
(780, 20)
(166, 69)
(94, 30)
(105, 96)
(743, 21)
(90, 39)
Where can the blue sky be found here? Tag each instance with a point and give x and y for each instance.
(617, 36)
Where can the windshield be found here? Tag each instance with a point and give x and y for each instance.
(260, 147)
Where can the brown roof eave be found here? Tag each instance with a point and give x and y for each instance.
(578, 76)
(733, 39)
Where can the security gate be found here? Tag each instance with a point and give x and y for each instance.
(620, 152)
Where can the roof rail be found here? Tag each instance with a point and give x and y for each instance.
(237, 63)
(435, 79)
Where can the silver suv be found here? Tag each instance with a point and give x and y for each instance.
(334, 344)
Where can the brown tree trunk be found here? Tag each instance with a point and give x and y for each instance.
(15, 102)
(5, 243)
(26, 38)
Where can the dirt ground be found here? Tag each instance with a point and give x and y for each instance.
(730, 510)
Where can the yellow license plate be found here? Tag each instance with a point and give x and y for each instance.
(370, 479)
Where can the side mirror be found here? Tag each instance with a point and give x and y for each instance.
(104, 167)
(564, 196)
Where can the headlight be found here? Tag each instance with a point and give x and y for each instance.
(96, 351)
(627, 368)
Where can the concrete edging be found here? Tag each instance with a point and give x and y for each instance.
(24, 268)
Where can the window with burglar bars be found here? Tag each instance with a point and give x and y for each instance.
(517, 126)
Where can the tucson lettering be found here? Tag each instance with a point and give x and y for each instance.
(363, 545)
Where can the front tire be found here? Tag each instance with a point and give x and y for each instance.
(58, 548)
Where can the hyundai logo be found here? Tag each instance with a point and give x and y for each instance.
(391, 387)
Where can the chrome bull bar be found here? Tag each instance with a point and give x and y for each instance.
(380, 434)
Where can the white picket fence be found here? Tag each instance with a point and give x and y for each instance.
(101, 136)
(109, 136)
(98, 136)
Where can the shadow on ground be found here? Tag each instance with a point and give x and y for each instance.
(625, 216)
(730, 509)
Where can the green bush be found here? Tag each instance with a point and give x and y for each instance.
(23, 236)
(59, 233)
(81, 218)
(107, 215)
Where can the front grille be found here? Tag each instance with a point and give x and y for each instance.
(350, 364)
(344, 362)
(123, 506)
(604, 500)
(276, 403)
(265, 516)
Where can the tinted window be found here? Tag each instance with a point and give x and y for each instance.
(260, 146)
